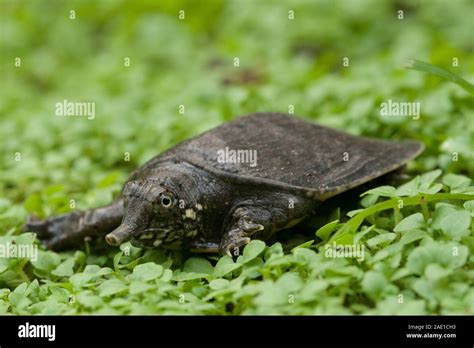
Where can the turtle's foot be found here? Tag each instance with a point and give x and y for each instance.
(57, 232)
(237, 237)
(69, 230)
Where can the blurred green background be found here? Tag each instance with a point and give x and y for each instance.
(283, 63)
(190, 62)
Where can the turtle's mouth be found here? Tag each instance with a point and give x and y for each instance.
(150, 238)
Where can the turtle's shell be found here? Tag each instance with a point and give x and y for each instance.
(292, 155)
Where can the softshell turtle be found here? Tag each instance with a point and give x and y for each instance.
(245, 179)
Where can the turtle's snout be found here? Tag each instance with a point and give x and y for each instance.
(119, 235)
(112, 240)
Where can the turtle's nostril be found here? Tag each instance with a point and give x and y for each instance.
(119, 235)
(112, 240)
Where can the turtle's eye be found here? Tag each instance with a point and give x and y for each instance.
(166, 200)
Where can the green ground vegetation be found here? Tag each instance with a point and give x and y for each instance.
(332, 62)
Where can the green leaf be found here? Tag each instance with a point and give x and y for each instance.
(111, 287)
(89, 300)
(198, 265)
(119, 303)
(49, 307)
(422, 287)
(400, 273)
(116, 261)
(185, 276)
(303, 256)
(441, 72)
(453, 222)
(344, 239)
(455, 181)
(129, 250)
(92, 269)
(411, 222)
(382, 191)
(274, 251)
(219, 284)
(412, 236)
(365, 230)
(19, 297)
(428, 178)
(271, 296)
(432, 189)
(388, 251)
(98, 271)
(354, 212)
(253, 250)
(302, 245)
(80, 279)
(290, 282)
(34, 204)
(310, 291)
(381, 239)
(324, 231)
(469, 206)
(65, 269)
(426, 182)
(80, 257)
(147, 271)
(4, 293)
(224, 266)
(47, 261)
(448, 255)
(167, 275)
(410, 188)
(434, 272)
(137, 287)
(59, 293)
(369, 200)
(374, 284)
(4, 306)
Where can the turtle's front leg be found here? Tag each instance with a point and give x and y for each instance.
(69, 230)
(243, 225)
(261, 218)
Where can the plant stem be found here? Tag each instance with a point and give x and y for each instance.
(396, 213)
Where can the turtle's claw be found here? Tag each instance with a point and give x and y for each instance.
(234, 244)
(250, 227)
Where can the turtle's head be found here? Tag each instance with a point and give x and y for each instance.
(153, 215)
